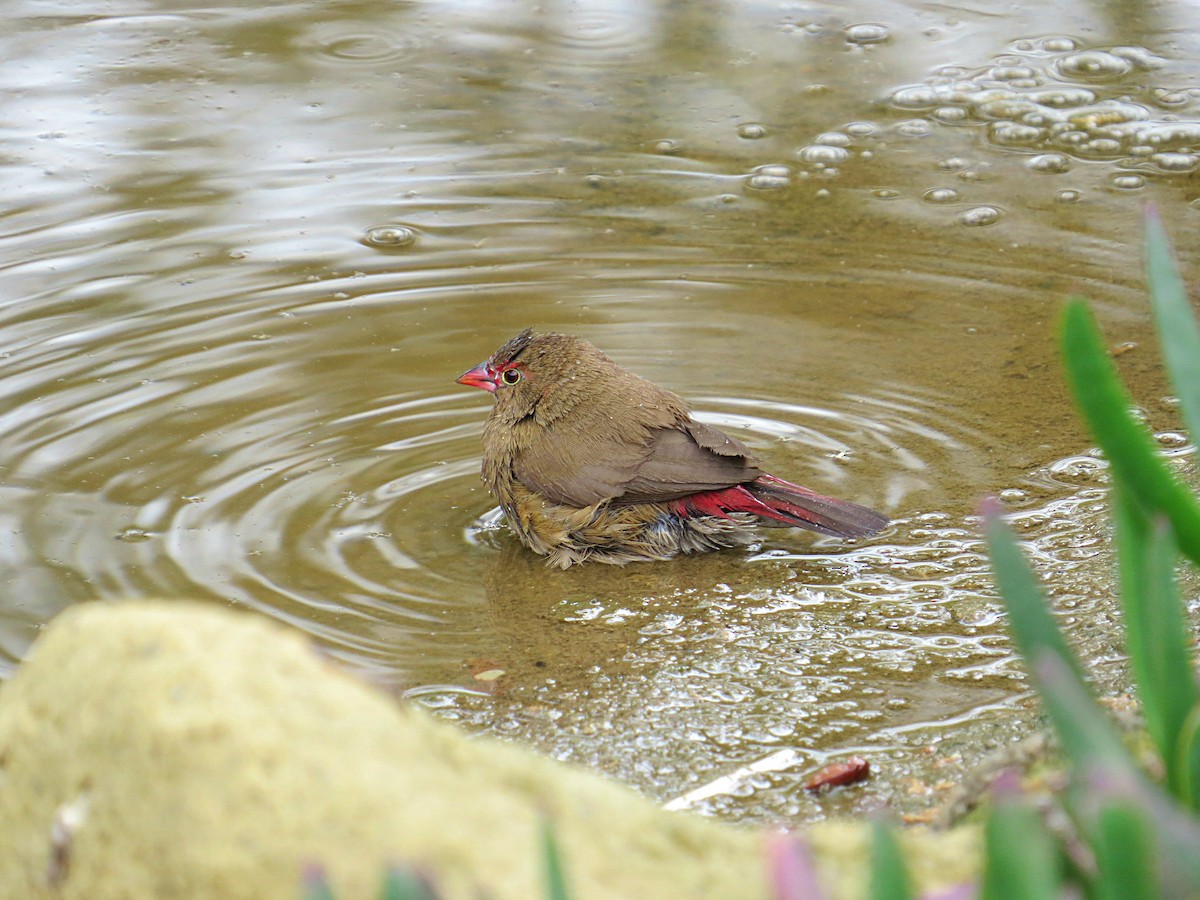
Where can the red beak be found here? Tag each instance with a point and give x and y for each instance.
(482, 376)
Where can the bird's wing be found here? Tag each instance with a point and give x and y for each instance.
(686, 461)
(576, 466)
(670, 462)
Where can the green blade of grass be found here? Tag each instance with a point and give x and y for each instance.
(1156, 630)
(1178, 333)
(1107, 775)
(404, 884)
(1029, 617)
(889, 876)
(556, 878)
(1086, 736)
(1021, 860)
(1131, 452)
(1125, 855)
(1187, 759)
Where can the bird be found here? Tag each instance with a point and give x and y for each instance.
(591, 462)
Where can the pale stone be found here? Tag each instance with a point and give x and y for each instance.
(178, 750)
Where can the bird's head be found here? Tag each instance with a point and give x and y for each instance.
(502, 369)
(531, 368)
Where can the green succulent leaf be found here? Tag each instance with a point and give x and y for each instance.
(1178, 333)
(1187, 760)
(1125, 850)
(889, 876)
(1021, 859)
(556, 879)
(1156, 630)
(1104, 404)
(404, 884)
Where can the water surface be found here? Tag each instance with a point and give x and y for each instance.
(246, 251)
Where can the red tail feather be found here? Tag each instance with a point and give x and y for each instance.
(790, 504)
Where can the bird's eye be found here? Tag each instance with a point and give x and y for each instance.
(510, 376)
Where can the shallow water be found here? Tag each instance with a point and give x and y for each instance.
(246, 251)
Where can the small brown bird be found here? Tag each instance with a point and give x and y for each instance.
(592, 462)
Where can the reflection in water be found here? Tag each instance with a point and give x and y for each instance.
(246, 251)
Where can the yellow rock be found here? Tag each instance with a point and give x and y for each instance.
(178, 750)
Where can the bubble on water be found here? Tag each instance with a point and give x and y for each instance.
(1175, 135)
(940, 195)
(1175, 162)
(1024, 109)
(770, 178)
(867, 33)
(914, 128)
(1139, 56)
(951, 114)
(1128, 182)
(1172, 439)
(1093, 65)
(1051, 163)
(833, 139)
(1012, 73)
(391, 236)
(1068, 196)
(1100, 148)
(1010, 134)
(1063, 97)
(1107, 113)
(768, 183)
(885, 193)
(952, 163)
(917, 96)
(979, 172)
(1070, 138)
(667, 146)
(775, 170)
(1059, 45)
(751, 131)
(1170, 98)
(823, 155)
(1007, 108)
(133, 535)
(860, 129)
(950, 72)
(979, 216)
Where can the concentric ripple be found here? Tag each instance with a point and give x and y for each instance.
(181, 489)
